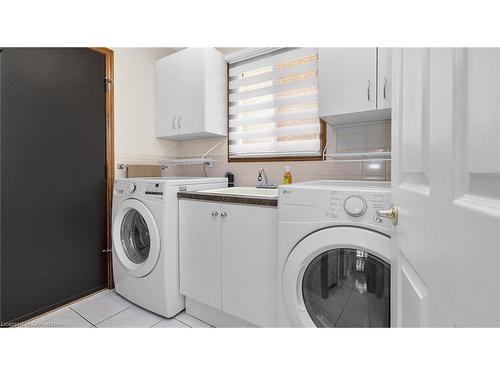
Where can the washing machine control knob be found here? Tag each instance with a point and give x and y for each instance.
(130, 188)
(355, 205)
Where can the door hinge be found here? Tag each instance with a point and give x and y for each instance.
(107, 84)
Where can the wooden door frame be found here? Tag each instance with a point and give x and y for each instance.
(110, 154)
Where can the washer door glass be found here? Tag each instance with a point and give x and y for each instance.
(135, 236)
(347, 288)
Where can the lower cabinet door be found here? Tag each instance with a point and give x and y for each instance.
(249, 240)
(200, 251)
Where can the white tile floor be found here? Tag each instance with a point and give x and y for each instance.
(107, 309)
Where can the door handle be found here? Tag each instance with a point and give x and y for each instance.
(223, 214)
(179, 122)
(385, 84)
(215, 213)
(173, 122)
(392, 213)
(368, 90)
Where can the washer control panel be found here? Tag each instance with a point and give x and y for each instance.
(355, 205)
(349, 204)
(146, 190)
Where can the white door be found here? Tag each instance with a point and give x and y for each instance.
(200, 255)
(191, 91)
(167, 93)
(347, 80)
(249, 263)
(446, 183)
(384, 77)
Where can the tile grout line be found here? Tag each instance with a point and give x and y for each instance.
(161, 317)
(169, 319)
(119, 312)
(175, 317)
(187, 325)
(82, 316)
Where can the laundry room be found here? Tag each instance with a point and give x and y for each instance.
(171, 179)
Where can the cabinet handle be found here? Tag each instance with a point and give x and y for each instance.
(179, 122)
(215, 213)
(173, 122)
(368, 90)
(385, 84)
(223, 214)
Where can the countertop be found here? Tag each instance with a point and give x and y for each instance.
(229, 198)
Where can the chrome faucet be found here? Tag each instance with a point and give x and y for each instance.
(264, 181)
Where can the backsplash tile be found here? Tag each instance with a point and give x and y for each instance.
(143, 159)
(246, 172)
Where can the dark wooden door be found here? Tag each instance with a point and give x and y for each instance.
(53, 178)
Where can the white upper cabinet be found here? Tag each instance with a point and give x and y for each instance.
(167, 97)
(191, 94)
(191, 109)
(351, 84)
(347, 80)
(384, 75)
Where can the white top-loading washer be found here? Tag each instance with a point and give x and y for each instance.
(145, 239)
(335, 256)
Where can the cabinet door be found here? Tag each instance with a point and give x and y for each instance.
(249, 240)
(167, 92)
(200, 251)
(347, 80)
(384, 86)
(191, 91)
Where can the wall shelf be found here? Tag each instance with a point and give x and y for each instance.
(187, 161)
(360, 138)
(205, 159)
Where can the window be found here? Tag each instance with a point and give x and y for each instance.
(273, 106)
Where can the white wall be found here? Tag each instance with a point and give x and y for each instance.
(135, 141)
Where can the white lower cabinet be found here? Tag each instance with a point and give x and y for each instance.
(228, 258)
(249, 240)
(200, 251)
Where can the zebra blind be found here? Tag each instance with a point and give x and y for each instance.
(273, 105)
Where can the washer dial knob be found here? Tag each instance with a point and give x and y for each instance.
(130, 188)
(355, 205)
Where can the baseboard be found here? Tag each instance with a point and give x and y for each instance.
(213, 316)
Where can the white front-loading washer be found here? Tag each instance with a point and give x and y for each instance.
(336, 265)
(145, 239)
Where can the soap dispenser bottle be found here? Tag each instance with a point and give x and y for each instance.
(287, 177)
